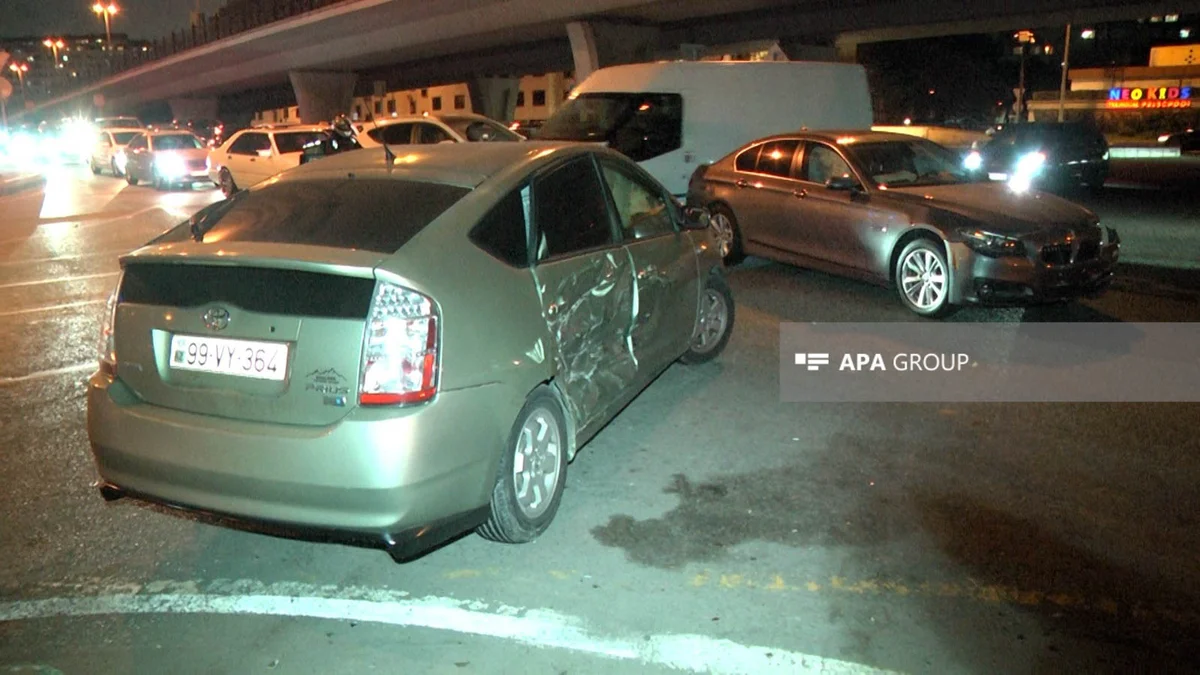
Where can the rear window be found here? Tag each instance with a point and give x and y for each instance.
(371, 215)
(123, 137)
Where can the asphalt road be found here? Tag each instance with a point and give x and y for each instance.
(709, 527)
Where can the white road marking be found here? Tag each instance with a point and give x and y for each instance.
(81, 277)
(533, 627)
(50, 308)
(18, 379)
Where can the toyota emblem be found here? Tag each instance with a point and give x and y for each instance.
(216, 318)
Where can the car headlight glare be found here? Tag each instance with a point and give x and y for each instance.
(991, 244)
(973, 161)
(170, 167)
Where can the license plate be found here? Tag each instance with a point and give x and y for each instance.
(242, 358)
(997, 176)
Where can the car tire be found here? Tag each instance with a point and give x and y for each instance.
(227, 184)
(715, 323)
(95, 168)
(727, 234)
(924, 261)
(130, 179)
(520, 512)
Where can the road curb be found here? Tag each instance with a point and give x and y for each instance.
(21, 183)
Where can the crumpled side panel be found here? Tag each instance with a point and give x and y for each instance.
(589, 310)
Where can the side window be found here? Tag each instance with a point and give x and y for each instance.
(428, 134)
(641, 209)
(571, 210)
(748, 160)
(823, 163)
(776, 158)
(392, 134)
(138, 143)
(503, 231)
(652, 127)
(250, 144)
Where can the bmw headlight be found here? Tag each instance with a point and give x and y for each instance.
(170, 166)
(991, 244)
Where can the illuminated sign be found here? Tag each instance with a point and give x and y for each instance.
(1139, 98)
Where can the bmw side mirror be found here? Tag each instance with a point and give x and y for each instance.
(844, 184)
(695, 218)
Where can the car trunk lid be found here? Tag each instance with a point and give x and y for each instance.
(264, 340)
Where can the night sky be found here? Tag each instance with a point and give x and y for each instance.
(140, 19)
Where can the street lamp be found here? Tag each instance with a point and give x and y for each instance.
(106, 11)
(1023, 38)
(54, 45)
(20, 70)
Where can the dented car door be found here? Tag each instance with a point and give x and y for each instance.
(585, 283)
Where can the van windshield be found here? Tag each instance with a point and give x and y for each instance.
(641, 126)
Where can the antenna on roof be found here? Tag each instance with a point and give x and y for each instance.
(388, 155)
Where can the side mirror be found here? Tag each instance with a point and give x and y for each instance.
(696, 218)
(844, 184)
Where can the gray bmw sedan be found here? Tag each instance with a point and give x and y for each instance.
(904, 212)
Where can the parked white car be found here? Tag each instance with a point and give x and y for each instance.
(431, 129)
(253, 155)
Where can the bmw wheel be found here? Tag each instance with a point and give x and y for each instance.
(533, 473)
(923, 278)
(714, 324)
(728, 236)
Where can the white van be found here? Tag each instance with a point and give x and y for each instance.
(672, 117)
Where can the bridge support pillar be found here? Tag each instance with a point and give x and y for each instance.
(321, 96)
(495, 97)
(184, 109)
(596, 44)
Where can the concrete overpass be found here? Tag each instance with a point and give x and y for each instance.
(325, 55)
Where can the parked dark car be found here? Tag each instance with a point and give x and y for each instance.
(1186, 141)
(902, 211)
(1054, 156)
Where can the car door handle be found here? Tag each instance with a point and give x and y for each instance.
(799, 194)
(742, 183)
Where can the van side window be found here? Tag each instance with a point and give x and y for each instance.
(571, 211)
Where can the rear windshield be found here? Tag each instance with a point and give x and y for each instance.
(123, 137)
(365, 214)
(177, 142)
(294, 141)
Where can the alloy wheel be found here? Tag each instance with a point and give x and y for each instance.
(923, 279)
(537, 462)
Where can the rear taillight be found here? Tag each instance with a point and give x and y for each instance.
(108, 348)
(400, 348)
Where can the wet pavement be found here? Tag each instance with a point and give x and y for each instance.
(708, 528)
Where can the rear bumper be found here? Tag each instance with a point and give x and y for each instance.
(381, 477)
(1017, 282)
